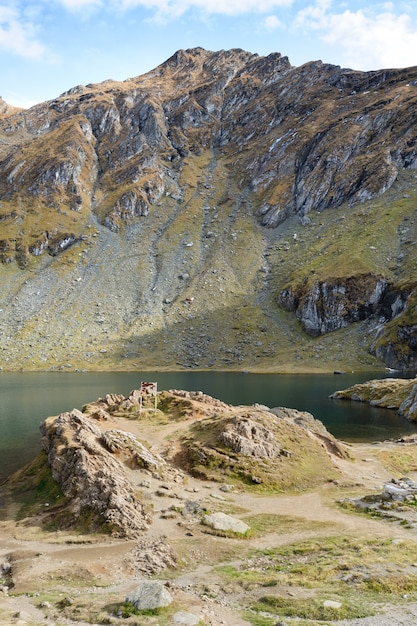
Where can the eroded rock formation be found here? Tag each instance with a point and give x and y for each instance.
(83, 463)
(102, 470)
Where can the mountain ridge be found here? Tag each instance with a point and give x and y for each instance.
(201, 191)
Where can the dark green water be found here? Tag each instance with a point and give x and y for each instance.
(26, 399)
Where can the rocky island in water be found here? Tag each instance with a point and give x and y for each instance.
(181, 509)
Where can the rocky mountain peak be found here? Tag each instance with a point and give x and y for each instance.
(7, 109)
(207, 156)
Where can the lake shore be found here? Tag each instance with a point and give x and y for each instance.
(289, 368)
(83, 578)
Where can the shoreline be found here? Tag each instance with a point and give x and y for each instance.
(77, 576)
(286, 371)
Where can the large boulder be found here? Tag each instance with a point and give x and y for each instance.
(226, 523)
(149, 595)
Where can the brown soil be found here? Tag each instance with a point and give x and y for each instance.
(97, 572)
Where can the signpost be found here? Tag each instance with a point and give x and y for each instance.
(148, 390)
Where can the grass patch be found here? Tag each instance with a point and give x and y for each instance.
(399, 462)
(311, 609)
(266, 523)
(258, 620)
(357, 573)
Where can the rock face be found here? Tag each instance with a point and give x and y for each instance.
(392, 393)
(90, 475)
(331, 305)
(182, 185)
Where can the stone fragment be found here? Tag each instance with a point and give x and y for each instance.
(182, 618)
(332, 604)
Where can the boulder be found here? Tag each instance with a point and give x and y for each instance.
(226, 523)
(150, 594)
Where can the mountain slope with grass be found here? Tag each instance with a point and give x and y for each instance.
(225, 210)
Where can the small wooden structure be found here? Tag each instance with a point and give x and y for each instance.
(148, 390)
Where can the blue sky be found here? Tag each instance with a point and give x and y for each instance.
(49, 46)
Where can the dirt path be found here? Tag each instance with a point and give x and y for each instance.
(104, 571)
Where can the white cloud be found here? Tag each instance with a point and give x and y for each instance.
(313, 16)
(220, 7)
(72, 5)
(385, 40)
(18, 35)
(271, 23)
(364, 40)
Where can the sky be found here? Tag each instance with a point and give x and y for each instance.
(49, 46)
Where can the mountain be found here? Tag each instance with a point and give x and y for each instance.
(224, 210)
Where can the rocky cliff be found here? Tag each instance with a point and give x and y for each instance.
(105, 472)
(181, 218)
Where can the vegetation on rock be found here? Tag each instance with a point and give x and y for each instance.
(391, 393)
(171, 218)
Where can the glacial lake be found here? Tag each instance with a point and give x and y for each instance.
(26, 399)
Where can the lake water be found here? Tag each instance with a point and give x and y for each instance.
(26, 399)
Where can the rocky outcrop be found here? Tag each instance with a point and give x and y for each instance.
(91, 476)
(396, 502)
(95, 463)
(246, 436)
(399, 394)
(260, 446)
(325, 306)
(396, 343)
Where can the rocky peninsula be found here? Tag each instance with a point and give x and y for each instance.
(399, 394)
(198, 512)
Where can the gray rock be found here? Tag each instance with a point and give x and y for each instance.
(185, 619)
(223, 522)
(151, 594)
(250, 438)
(332, 604)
